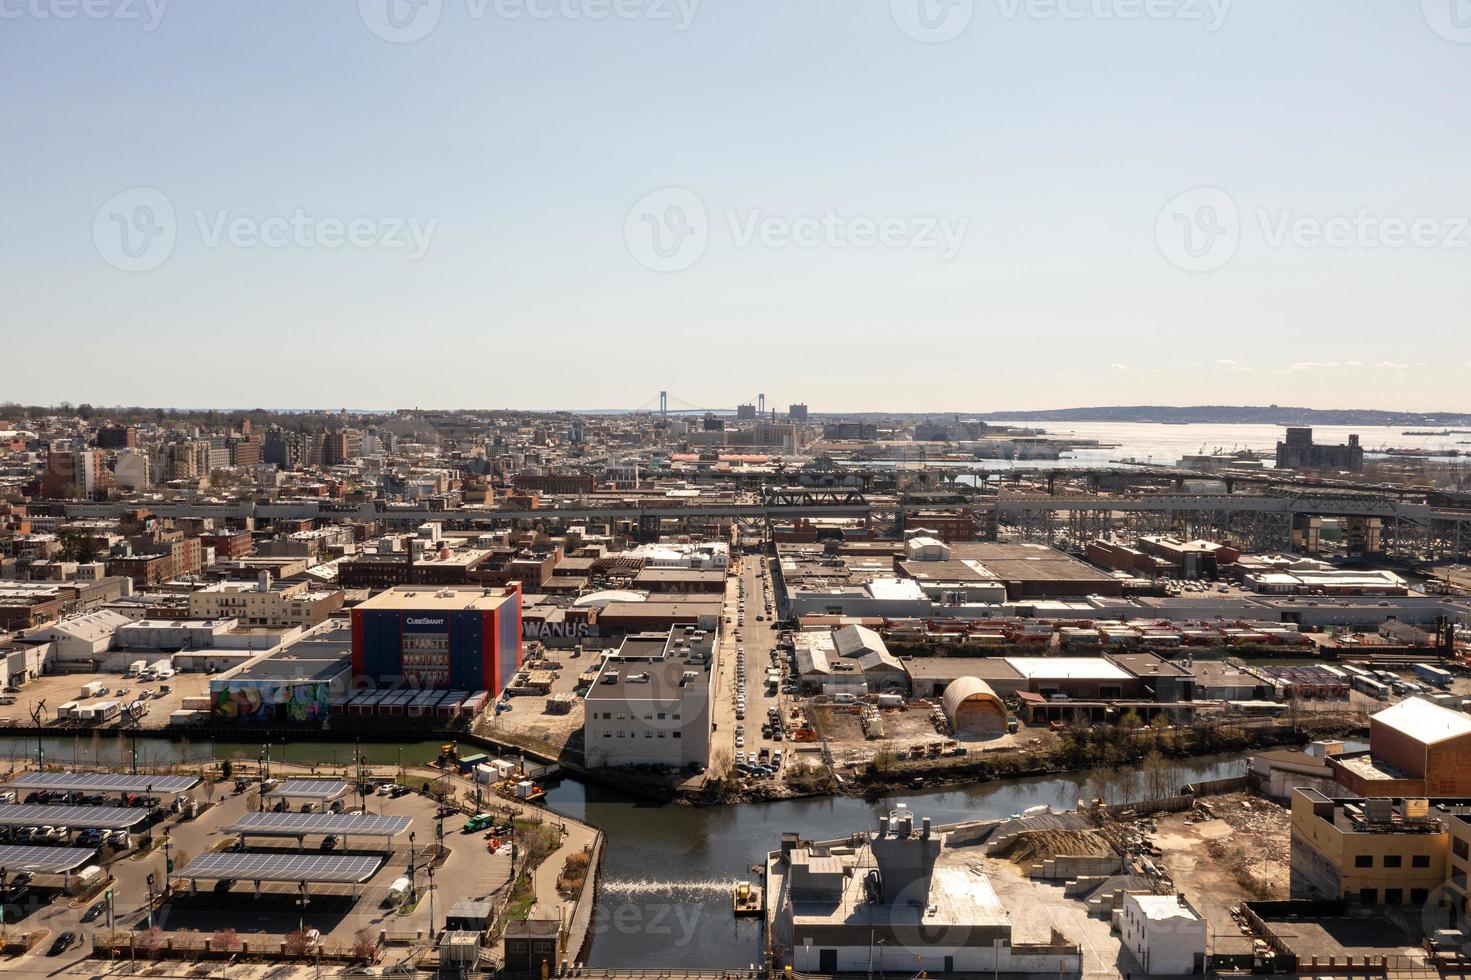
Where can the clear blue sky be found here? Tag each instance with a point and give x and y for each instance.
(522, 145)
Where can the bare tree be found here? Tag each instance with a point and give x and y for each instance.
(365, 945)
(149, 940)
(224, 940)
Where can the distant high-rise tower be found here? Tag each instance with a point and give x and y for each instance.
(797, 413)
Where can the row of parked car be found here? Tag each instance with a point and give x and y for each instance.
(53, 798)
(65, 836)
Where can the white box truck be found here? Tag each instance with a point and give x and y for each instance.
(84, 879)
(398, 891)
(137, 667)
(92, 689)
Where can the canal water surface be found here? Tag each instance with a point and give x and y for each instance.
(667, 869)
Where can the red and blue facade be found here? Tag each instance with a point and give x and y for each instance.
(484, 644)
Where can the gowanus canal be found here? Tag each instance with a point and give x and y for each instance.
(664, 898)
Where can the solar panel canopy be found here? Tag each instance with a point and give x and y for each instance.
(319, 868)
(43, 860)
(298, 824)
(315, 789)
(103, 782)
(46, 815)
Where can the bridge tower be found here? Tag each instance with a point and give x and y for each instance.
(664, 405)
(760, 404)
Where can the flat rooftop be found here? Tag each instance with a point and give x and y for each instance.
(1068, 668)
(449, 597)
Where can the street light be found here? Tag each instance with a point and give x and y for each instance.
(413, 881)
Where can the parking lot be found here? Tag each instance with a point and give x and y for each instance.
(468, 871)
(54, 690)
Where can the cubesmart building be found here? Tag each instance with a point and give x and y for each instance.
(459, 638)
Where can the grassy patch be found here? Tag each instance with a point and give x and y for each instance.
(523, 896)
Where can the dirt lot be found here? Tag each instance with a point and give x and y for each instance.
(1034, 847)
(1219, 863)
(529, 723)
(900, 730)
(1038, 907)
(58, 689)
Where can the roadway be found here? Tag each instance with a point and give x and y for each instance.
(757, 638)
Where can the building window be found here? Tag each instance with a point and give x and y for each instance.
(1363, 860)
(1418, 896)
(1420, 861)
(1393, 860)
(1394, 896)
(1369, 896)
(1458, 847)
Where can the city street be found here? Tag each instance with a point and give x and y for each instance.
(757, 638)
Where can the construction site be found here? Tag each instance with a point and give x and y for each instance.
(862, 735)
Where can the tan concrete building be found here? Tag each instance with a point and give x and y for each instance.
(1367, 851)
(265, 603)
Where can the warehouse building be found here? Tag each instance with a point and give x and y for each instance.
(973, 709)
(296, 684)
(650, 704)
(451, 638)
(848, 660)
(1416, 748)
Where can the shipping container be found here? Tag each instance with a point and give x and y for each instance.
(1433, 675)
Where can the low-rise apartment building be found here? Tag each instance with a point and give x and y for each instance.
(265, 603)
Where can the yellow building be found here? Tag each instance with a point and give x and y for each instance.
(1368, 851)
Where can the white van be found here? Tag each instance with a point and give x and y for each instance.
(398, 891)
